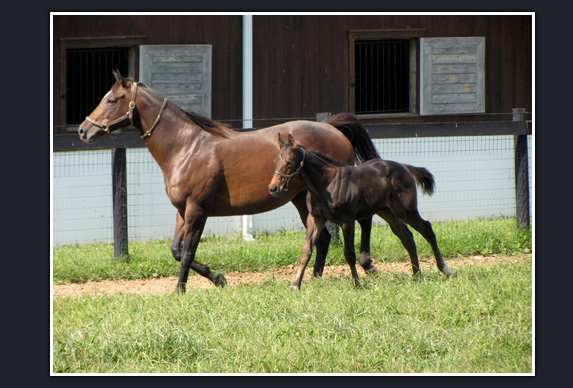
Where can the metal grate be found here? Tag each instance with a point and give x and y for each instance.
(89, 77)
(382, 76)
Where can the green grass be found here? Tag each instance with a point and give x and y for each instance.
(93, 262)
(479, 321)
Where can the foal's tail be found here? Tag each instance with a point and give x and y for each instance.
(423, 177)
(357, 134)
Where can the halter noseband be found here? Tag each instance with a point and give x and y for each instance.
(120, 122)
(294, 174)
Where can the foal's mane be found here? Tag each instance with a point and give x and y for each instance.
(211, 126)
(323, 157)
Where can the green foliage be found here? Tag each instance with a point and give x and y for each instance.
(479, 321)
(146, 260)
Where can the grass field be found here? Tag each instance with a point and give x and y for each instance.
(479, 321)
(95, 262)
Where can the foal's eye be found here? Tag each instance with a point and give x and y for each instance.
(289, 163)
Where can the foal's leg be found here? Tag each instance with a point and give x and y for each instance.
(425, 229)
(194, 223)
(349, 254)
(364, 260)
(313, 228)
(405, 236)
(323, 241)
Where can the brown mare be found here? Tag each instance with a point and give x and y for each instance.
(211, 170)
(342, 194)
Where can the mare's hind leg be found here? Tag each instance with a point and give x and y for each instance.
(323, 240)
(365, 260)
(425, 229)
(322, 245)
(406, 237)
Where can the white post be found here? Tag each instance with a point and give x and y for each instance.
(248, 99)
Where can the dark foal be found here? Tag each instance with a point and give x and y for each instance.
(344, 194)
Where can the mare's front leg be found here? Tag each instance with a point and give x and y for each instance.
(176, 245)
(314, 226)
(349, 254)
(189, 235)
(365, 260)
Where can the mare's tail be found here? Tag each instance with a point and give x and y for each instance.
(356, 133)
(423, 177)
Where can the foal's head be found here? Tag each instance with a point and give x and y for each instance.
(289, 164)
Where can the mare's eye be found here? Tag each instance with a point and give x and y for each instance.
(113, 100)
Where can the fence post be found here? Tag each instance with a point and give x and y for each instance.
(521, 174)
(119, 193)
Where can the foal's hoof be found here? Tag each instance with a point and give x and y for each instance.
(180, 289)
(370, 270)
(219, 280)
(294, 288)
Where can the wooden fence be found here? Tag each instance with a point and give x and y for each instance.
(519, 128)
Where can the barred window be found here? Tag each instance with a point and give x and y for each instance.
(89, 77)
(382, 72)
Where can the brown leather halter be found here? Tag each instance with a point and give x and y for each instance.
(294, 174)
(121, 122)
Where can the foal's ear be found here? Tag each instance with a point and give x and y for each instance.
(281, 141)
(291, 141)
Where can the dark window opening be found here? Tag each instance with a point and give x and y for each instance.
(89, 77)
(382, 76)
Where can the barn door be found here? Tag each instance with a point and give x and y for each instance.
(182, 73)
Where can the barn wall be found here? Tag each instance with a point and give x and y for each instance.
(224, 33)
(302, 65)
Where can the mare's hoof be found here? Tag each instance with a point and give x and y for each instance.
(219, 280)
(294, 288)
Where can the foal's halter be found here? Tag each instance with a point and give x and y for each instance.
(128, 117)
(294, 174)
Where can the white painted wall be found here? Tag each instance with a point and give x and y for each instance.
(474, 175)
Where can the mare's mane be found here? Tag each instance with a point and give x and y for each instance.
(211, 126)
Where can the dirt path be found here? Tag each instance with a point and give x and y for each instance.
(167, 285)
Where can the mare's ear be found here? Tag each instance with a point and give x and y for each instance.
(291, 140)
(119, 78)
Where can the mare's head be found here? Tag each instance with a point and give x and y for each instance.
(115, 111)
(289, 164)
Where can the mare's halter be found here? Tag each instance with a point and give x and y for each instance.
(128, 117)
(294, 174)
